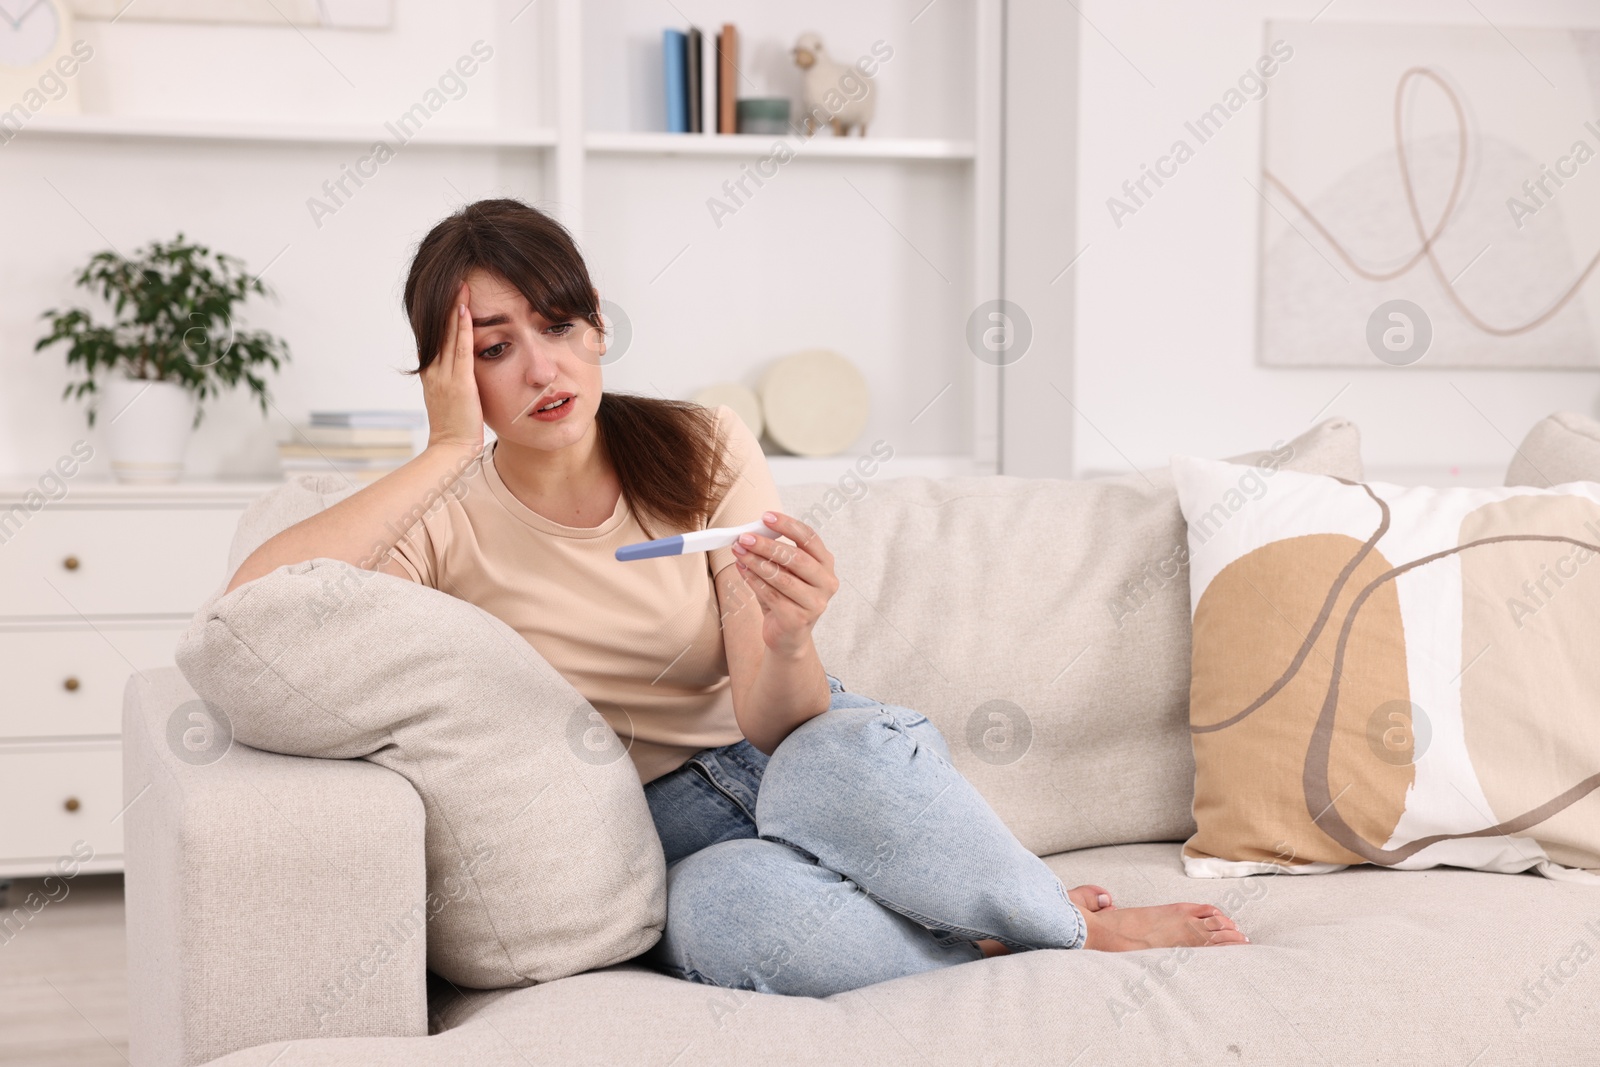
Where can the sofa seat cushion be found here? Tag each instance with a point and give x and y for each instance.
(1368, 965)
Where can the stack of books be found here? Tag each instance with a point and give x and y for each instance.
(361, 445)
(701, 92)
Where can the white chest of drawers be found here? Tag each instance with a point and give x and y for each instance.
(95, 585)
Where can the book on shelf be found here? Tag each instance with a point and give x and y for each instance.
(694, 68)
(698, 80)
(727, 75)
(675, 64)
(345, 436)
(348, 454)
(367, 443)
(369, 418)
(708, 86)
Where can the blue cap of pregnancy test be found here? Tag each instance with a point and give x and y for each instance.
(661, 546)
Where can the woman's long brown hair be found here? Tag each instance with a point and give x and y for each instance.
(666, 452)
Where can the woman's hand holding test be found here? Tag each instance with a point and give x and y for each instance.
(792, 583)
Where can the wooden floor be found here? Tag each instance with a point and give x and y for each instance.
(63, 974)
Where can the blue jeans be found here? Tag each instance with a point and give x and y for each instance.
(854, 854)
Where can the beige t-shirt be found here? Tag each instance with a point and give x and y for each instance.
(640, 640)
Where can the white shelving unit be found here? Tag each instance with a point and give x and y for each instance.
(752, 144)
(589, 144)
(893, 238)
(288, 133)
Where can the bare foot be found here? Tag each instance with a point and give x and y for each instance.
(1165, 926)
(1090, 898)
(1087, 897)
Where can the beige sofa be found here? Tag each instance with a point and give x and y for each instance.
(1043, 627)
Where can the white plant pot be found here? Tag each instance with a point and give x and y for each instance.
(147, 426)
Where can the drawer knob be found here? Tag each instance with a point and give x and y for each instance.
(71, 685)
(71, 563)
(71, 804)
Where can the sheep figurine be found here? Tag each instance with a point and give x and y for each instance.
(832, 93)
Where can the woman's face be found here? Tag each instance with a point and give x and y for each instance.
(523, 361)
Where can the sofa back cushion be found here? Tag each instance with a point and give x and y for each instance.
(1561, 448)
(542, 858)
(1041, 623)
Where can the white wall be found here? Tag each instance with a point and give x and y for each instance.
(1166, 305)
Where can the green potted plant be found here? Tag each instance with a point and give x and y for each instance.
(172, 343)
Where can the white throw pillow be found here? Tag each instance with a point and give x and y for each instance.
(543, 860)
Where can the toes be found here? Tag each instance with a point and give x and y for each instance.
(1097, 897)
(1091, 898)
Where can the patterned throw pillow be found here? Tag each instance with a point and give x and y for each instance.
(1388, 675)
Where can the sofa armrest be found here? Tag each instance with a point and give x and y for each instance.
(269, 897)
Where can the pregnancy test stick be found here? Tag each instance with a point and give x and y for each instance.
(693, 541)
